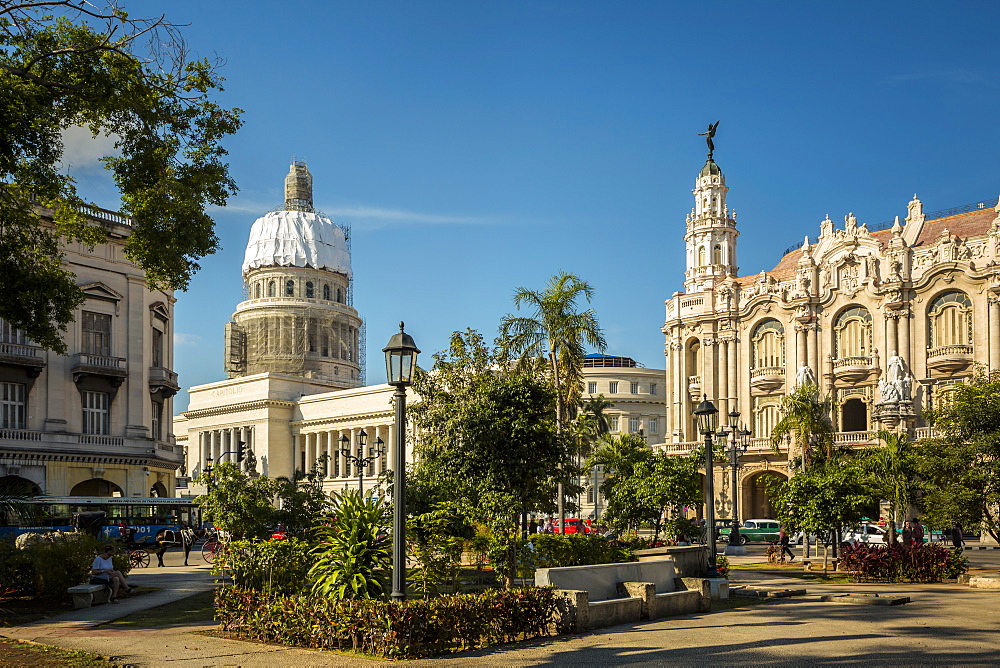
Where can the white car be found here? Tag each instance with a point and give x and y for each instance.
(867, 533)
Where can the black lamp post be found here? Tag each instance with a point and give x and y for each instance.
(360, 461)
(707, 416)
(208, 472)
(400, 363)
(739, 439)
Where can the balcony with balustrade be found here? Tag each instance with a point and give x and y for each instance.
(24, 355)
(949, 359)
(86, 364)
(68, 444)
(766, 379)
(163, 380)
(853, 368)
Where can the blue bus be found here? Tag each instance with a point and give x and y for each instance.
(148, 518)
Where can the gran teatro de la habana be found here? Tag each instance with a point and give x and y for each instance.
(883, 318)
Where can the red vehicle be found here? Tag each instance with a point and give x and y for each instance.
(573, 525)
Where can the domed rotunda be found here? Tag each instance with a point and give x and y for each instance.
(298, 318)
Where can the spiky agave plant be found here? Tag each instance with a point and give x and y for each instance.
(354, 549)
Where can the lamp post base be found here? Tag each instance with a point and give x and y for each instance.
(735, 551)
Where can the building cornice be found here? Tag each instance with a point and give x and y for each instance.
(256, 404)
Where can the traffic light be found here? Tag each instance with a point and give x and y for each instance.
(241, 448)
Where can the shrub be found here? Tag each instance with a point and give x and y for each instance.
(722, 565)
(407, 630)
(556, 550)
(353, 556)
(899, 563)
(277, 566)
(49, 568)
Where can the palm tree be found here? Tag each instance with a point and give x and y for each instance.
(892, 467)
(807, 420)
(557, 330)
(619, 456)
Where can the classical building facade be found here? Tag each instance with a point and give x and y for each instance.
(94, 422)
(294, 357)
(638, 408)
(884, 318)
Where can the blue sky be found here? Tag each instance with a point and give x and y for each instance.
(476, 147)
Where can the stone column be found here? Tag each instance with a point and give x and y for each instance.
(310, 440)
(680, 392)
(723, 402)
(733, 358)
(903, 336)
(994, 332)
(801, 347)
(892, 334)
(812, 337)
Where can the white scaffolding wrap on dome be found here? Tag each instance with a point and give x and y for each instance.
(297, 239)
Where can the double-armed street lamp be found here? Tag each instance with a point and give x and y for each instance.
(707, 416)
(400, 363)
(360, 461)
(739, 439)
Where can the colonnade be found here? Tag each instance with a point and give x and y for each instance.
(316, 444)
(215, 442)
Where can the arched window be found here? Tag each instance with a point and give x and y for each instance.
(701, 256)
(766, 415)
(768, 344)
(310, 293)
(717, 254)
(289, 288)
(852, 333)
(326, 291)
(340, 295)
(257, 291)
(950, 320)
(270, 288)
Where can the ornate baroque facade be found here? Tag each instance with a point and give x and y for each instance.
(885, 320)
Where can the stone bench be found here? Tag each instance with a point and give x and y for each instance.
(817, 564)
(689, 561)
(85, 595)
(609, 594)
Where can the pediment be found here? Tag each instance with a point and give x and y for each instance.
(101, 291)
(159, 310)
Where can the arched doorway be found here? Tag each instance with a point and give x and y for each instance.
(96, 487)
(158, 490)
(854, 415)
(15, 485)
(756, 498)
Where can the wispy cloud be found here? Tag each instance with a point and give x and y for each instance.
(83, 151)
(363, 215)
(181, 339)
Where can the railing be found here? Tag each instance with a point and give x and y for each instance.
(766, 371)
(104, 214)
(852, 361)
(680, 448)
(853, 437)
(159, 374)
(21, 349)
(956, 349)
(694, 301)
(91, 439)
(103, 361)
(925, 432)
(20, 435)
(762, 443)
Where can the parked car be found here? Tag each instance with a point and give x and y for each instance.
(755, 531)
(866, 533)
(573, 525)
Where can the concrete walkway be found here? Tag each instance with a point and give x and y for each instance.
(943, 625)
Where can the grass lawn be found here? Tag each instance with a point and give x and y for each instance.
(16, 653)
(197, 608)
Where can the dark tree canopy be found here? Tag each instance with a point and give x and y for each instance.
(66, 64)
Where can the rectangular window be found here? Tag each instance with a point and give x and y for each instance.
(158, 420)
(157, 348)
(12, 408)
(591, 388)
(635, 388)
(613, 423)
(613, 387)
(96, 334)
(96, 416)
(652, 389)
(10, 335)
(633, 425)
(654, 425)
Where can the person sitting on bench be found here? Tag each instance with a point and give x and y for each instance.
(103, 572)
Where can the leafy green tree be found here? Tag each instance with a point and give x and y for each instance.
(556, 330)
(825, 498)
(893, 470)
(618, 456)
(960, 470)
(66, 64)
(806, 418)
(236, 502)
(301, 499)
(486, 436)
(354, 553)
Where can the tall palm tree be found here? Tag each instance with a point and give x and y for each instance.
(807, 420)
(893, 468)
(556, 329)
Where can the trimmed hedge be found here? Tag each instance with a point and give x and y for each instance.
(556, 550)
(899, 563)
(408, 630)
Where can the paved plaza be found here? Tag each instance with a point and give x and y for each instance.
(943, 625)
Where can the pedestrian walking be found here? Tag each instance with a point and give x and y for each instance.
(548, 527)
(918, 531)
(957, 539)
(783, 541)
(907, 534)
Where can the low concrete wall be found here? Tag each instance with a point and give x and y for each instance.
(601, 580)
(689, 561)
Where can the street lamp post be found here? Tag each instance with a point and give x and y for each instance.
(738, 440)
(360, 461)
(707, 416)
(400, 362)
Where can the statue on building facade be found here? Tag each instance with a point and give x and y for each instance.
(709, 136)
(895, 386)
(804, 376)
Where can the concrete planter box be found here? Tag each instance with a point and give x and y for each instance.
(689, 562)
